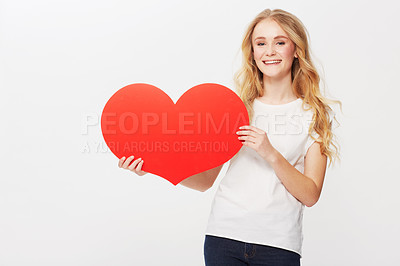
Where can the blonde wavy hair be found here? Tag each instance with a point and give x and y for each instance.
(305, 78)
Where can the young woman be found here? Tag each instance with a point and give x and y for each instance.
(256, 216)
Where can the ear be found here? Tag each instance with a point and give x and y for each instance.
(295, 53)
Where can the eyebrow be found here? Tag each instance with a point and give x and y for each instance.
(277, 37)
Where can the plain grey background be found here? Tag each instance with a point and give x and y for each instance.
(62, 204)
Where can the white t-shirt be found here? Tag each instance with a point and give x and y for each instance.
(251, 203)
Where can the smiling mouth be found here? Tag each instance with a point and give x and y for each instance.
(272, 62)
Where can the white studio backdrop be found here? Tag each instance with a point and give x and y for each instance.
(63, 199)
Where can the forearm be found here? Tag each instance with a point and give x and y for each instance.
(300, 186)
(196, 182)
(202, 181)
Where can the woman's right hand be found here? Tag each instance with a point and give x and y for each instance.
(135, 167)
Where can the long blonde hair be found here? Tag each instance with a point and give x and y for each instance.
(305, 78)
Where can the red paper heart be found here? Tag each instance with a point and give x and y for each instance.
(174, 140)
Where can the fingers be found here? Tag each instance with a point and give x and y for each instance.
(121, 161)
(139, 170)
(246, 132)
(127, 162)
(248, 139)
(247, 135)
(135, 166)
(250, 135)
(252, 128)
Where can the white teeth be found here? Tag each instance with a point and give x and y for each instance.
(271, 62)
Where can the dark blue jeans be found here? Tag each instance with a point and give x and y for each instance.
(220, 251)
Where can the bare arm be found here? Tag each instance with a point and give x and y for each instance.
(202, 181)
(305, 187)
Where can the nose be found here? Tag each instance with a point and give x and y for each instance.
(269, 50)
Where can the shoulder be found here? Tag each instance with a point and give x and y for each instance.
(309, 111)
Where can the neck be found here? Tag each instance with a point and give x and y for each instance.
(278, 90)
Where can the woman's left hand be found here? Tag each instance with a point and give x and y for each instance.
(257, 139)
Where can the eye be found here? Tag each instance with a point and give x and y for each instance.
(260, 44)
(281, 43)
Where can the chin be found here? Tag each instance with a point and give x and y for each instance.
(273, 75)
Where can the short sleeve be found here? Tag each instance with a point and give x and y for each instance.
(310, 140)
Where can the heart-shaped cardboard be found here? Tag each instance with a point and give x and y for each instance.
(174, 140)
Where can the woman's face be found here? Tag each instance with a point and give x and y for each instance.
(271, 43)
